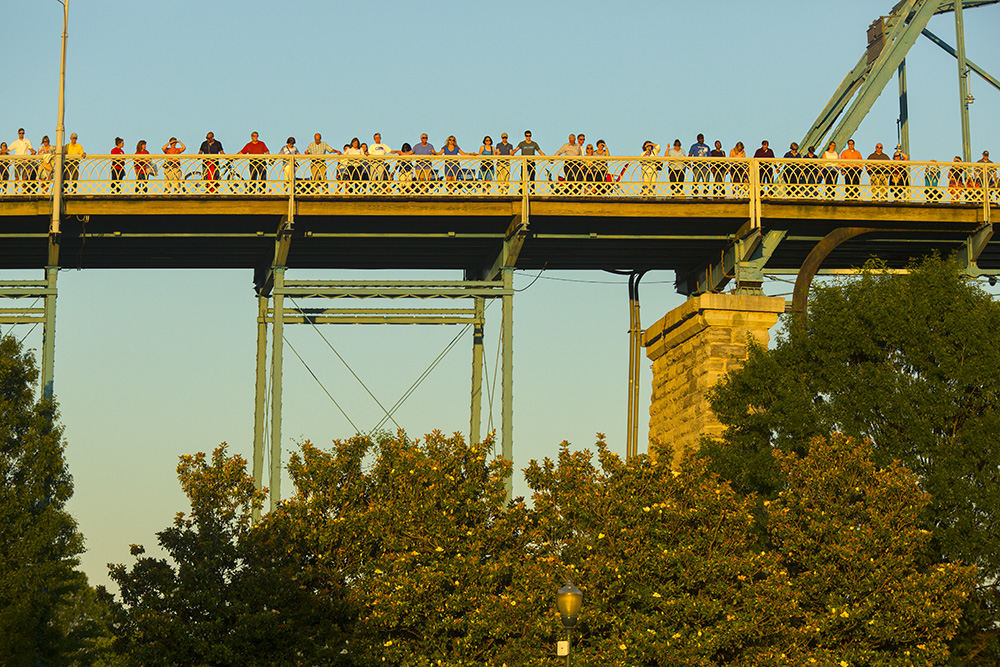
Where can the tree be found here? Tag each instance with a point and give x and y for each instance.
(910, 363)
(420, 534)
(228, 595)
(675, 571)
(39, 543)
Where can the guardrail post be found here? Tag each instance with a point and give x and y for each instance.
(755, 193)
(290, 180)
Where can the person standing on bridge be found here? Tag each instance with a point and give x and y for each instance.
(810, 173)
(423, 167)
(211, 147)
(4, 168)
(529, 148)
(117, 166)
(570, 149)
(676, 168)
(718, 169)
(172, 167)
(143, 167)
(792, 173)
(899, 179)
(379, 170)
(650, 167)
(852, 174)
(504, 149)
(700, 170)
(258, 167)
(987, 174)
(71, 169)
(830, 171)
(878, 175)
(317, 167)
(21, 146)
(738, 171)
(765, 170)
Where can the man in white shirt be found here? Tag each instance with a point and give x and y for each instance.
(571, 149)
(379, 171)
(21, 146)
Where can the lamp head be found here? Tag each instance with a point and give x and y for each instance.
(569, 599)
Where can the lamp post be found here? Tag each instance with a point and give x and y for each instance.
(569, 599)
(57, 176)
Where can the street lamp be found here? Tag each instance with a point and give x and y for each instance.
(57, 176)
(569, 599)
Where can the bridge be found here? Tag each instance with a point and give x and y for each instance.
(718, 223)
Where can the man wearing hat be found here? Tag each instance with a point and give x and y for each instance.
(991, 172)
(71, 170)
(504, 148)
(172, 167)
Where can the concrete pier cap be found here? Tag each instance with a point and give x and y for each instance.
(691, 348)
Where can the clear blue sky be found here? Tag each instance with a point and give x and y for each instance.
(154, 364)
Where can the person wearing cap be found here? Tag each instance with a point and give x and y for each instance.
(699, 170)
(899, 178)
(991, 172)
(877, 175)
(504, 148)
(172, 167)
(71, 168)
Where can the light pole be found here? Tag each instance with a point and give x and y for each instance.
(60, 129)
(569, 599)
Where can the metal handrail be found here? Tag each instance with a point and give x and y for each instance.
(584, 177)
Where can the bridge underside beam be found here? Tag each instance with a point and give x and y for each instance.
(743, 262)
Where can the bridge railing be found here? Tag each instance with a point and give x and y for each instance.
(221, 176)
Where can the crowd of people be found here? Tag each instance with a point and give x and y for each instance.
(355, 167)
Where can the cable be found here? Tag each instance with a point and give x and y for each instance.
(348, 367)
(28, 334)
(321, 384)
(535, 280)
(413, 387)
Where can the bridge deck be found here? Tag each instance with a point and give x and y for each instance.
(639, 221)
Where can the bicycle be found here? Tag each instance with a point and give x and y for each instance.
(222, 170)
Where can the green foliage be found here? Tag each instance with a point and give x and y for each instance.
(675, 566)
(229, 596)
(674, 571)
(910, 363)
(39, 543)
(422, 540)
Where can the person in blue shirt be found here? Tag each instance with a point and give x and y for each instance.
(700, 170)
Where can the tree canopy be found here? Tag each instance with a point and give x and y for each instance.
(910, 363)
(40, 542)
(406, 552)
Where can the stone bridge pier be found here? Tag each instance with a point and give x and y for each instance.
(691, 348)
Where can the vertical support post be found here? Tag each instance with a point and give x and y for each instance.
(277, 331)
(636, 357)
(260, 398)
(963, 82)
(904, 110)
(755, 192)
(630, 426)
(49, 333)
(475, 434)
(507, 387)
